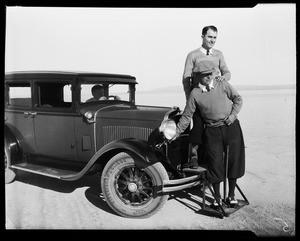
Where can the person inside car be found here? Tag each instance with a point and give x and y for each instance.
(98, 93)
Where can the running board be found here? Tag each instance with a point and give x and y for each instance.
(45, 171)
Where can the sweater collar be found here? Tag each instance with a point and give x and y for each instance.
(203, 87)
(203, 50)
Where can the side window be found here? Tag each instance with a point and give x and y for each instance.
(86, 93)
(121, 91)
(19, 95)
(57, 94)
(68, 93)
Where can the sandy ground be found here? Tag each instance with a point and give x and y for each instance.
(268, 122)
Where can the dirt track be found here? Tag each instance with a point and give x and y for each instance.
(37, 202)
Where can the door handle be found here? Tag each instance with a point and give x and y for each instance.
(33, 114)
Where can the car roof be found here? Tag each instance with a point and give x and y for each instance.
(122, 78)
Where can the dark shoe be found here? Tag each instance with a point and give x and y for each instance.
(185, 165)
(203, 176)
(232, 202)
(194, 166)
(215, 204)
(194, 163)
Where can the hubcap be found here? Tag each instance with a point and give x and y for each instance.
(134, 186)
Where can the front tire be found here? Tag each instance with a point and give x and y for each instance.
(131, 186)
(10, 174)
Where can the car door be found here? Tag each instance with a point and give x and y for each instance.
(19, 114)
(54, 119)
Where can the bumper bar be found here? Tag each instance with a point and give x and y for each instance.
(180, 184)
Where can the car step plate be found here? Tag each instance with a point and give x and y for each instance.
(45, 171)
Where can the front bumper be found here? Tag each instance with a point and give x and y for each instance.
(182, 183)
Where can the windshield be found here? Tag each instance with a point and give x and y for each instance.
(99, 92)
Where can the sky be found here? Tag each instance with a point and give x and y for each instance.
(259, 44)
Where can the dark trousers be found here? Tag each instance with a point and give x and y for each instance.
(196, 137)
(216, 139)
(196, 133)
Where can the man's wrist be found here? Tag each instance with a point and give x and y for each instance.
(233, 115)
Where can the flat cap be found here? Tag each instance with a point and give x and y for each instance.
(204, 67)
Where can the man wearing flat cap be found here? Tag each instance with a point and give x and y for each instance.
(218, 103)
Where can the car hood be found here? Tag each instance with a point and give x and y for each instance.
(134, 113)
(127, 121)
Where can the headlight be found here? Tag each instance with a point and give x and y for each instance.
(168, 127)
(88, 115)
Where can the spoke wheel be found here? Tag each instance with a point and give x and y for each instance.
(131, 186)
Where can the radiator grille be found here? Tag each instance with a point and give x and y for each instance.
(111, 133)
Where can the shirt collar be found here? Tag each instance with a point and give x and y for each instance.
(203, 50)
(203, 87)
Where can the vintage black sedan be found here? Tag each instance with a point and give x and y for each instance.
(51, 129)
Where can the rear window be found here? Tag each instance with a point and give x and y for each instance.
(19, 95)
(54, 94)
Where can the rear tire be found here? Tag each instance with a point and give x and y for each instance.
(131, 186)
(10, 174)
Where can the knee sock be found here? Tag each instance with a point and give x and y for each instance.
(232, 184)
(194, 152)
(216, 187)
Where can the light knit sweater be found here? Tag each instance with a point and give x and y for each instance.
(196, 56)
(215, 106)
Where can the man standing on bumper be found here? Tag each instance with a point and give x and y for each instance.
(219, 103)
(190, 80)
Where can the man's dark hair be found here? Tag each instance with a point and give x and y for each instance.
(96, 87)
(206, 28)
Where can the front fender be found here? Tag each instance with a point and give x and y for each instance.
(137, 146)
